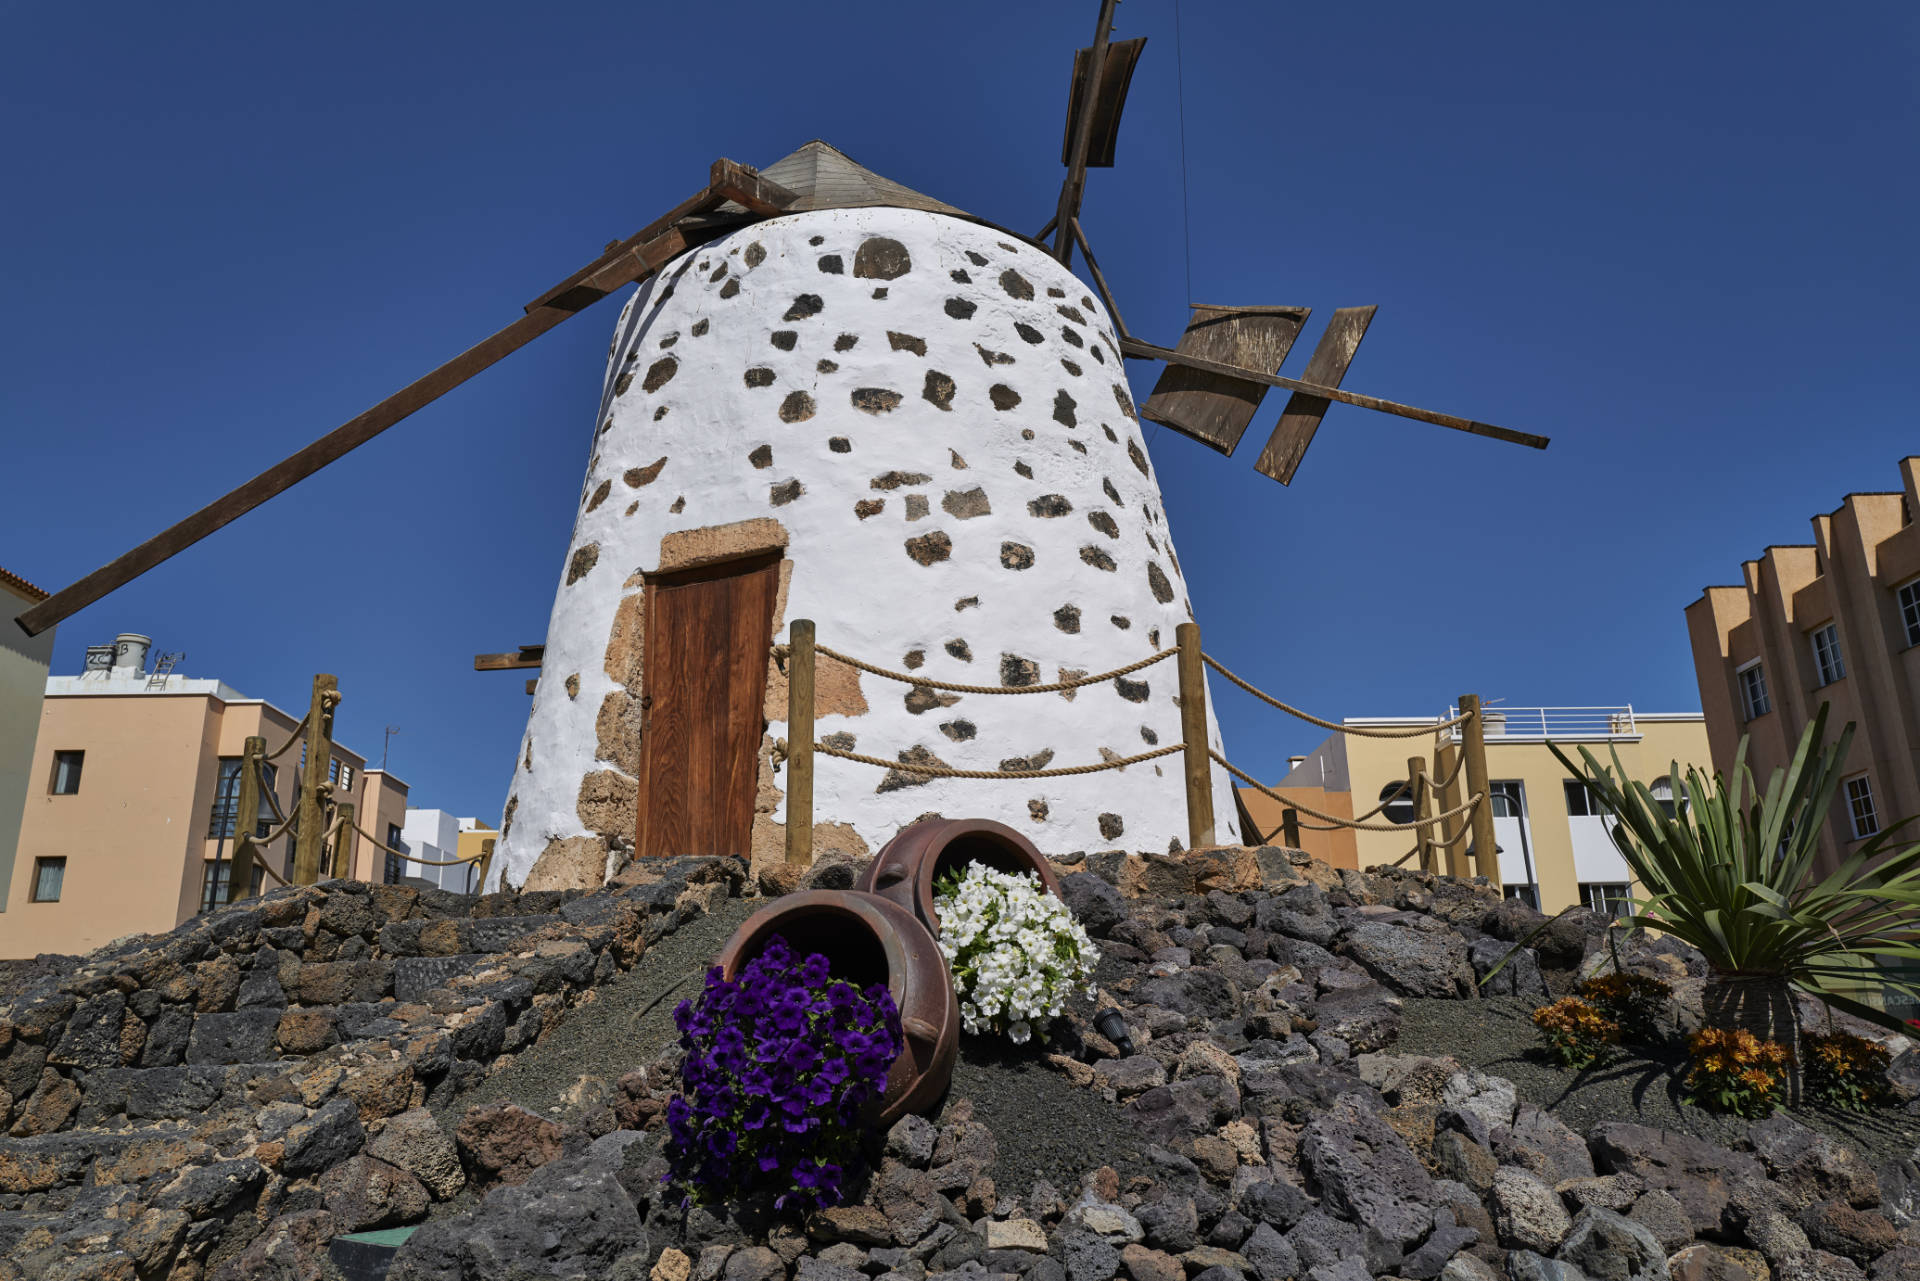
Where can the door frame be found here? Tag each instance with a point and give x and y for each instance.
(651, 581)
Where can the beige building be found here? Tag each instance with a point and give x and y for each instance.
(1553, 843)
(1833, 621)
(132, 799)
(23, 676)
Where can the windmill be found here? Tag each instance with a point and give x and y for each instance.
(837, 398)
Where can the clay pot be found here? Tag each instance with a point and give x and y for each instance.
(908, 865)
(868, 940)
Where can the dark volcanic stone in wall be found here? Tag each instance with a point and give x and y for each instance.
(881, 258)
(415, 976)
(938, 391)
(245, 1036)
(1016, 556)
(797, 408)
(929, 549)
(1157, 582)
(875, 400)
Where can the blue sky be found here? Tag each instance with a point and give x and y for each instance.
(1677, 239)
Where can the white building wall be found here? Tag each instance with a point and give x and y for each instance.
(934, 421)
(434, 835)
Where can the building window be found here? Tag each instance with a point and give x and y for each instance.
(213, 884)
(1401, 808)
(1662, 790)
(1826, 654)
(1754, 702)
(66, 773)
(1910, 611)
(1528, 894)
(1608, 898)
(1509, 800)
(1582, 801)
(396, 866)
(48, 873)
(1860, 807)
(269, 778)
(226, 800)
(343, 776)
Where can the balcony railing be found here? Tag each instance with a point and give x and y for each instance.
(1558, 722)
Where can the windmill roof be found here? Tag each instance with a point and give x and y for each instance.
(825, 177)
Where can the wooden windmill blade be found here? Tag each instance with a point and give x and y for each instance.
(621, 264)
(1109, 100)
(1212, 408)
(1301, 418)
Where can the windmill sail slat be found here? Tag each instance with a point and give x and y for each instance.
(1301, 418)
(1212, 408)
(1116, 75)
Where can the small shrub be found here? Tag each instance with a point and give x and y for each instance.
(1634, 1001)
(1576, 1034)
(1845, 1071)
(781, 1066)
(1735, 1071)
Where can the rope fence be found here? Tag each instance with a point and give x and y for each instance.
(1052, 687)
(796, 753)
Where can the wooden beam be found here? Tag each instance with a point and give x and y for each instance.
(1076, 180)
(1137, 350)
(743, 185)
(633, 265)
(1108, 100)
(1099, 280)
(700, 202)
(1212, 409)
(525, 656)
(1301, 418)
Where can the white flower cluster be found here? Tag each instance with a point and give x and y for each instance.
(1016, 951)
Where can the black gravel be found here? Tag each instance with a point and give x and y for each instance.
(1497, 1035)
(627, 1024)
(1045, 1126)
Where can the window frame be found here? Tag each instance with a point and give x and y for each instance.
(1829, 663)
(1752, 708)
(1589, 799)
(61, 756)
(1906, 598)
(1527, 892)
(56, 863)
(394, 871)
(1854, 807)
(1497, 793)
(223, 817)
(1624, 899)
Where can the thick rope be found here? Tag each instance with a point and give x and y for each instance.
(282, 751)
(943, 771)
(266, 791)
(1291, 710)
(1055, 687)
(1441, 784)
(423, 862)
(1335, 819)
(1334, 827)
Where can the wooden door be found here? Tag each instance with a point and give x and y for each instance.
(707, 636)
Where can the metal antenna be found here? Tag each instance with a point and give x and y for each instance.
(385, 744)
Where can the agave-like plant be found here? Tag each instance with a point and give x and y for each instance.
(1731, 871)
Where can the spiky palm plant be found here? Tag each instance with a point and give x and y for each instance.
(1731, 872)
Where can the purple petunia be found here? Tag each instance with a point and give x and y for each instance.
(781, 1065)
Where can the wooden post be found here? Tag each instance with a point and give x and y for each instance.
(312, 833)
(1193, 730)
(800, 743)
(1422, 793)
(1473, 741)
(240, 871)
(343, 844)
(486, 861)
(1290, 827)
(1446, 763)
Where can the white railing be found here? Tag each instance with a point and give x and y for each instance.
(1557, 722)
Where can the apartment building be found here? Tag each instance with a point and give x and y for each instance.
(1552, 840)
(1834, 621)
(23, 677)
(435, 836)
(133, 799)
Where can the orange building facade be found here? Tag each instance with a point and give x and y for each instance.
(132, 805)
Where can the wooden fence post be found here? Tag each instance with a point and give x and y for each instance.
(1193, 730)
(343, 844)
(312, 833)
(1473, 741)
(486, 861)
(800, 743)
(1290, 827)
(1423, 810)
(1446, 763)
(240, 870)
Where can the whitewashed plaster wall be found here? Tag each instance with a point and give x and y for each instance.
(934, 423)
